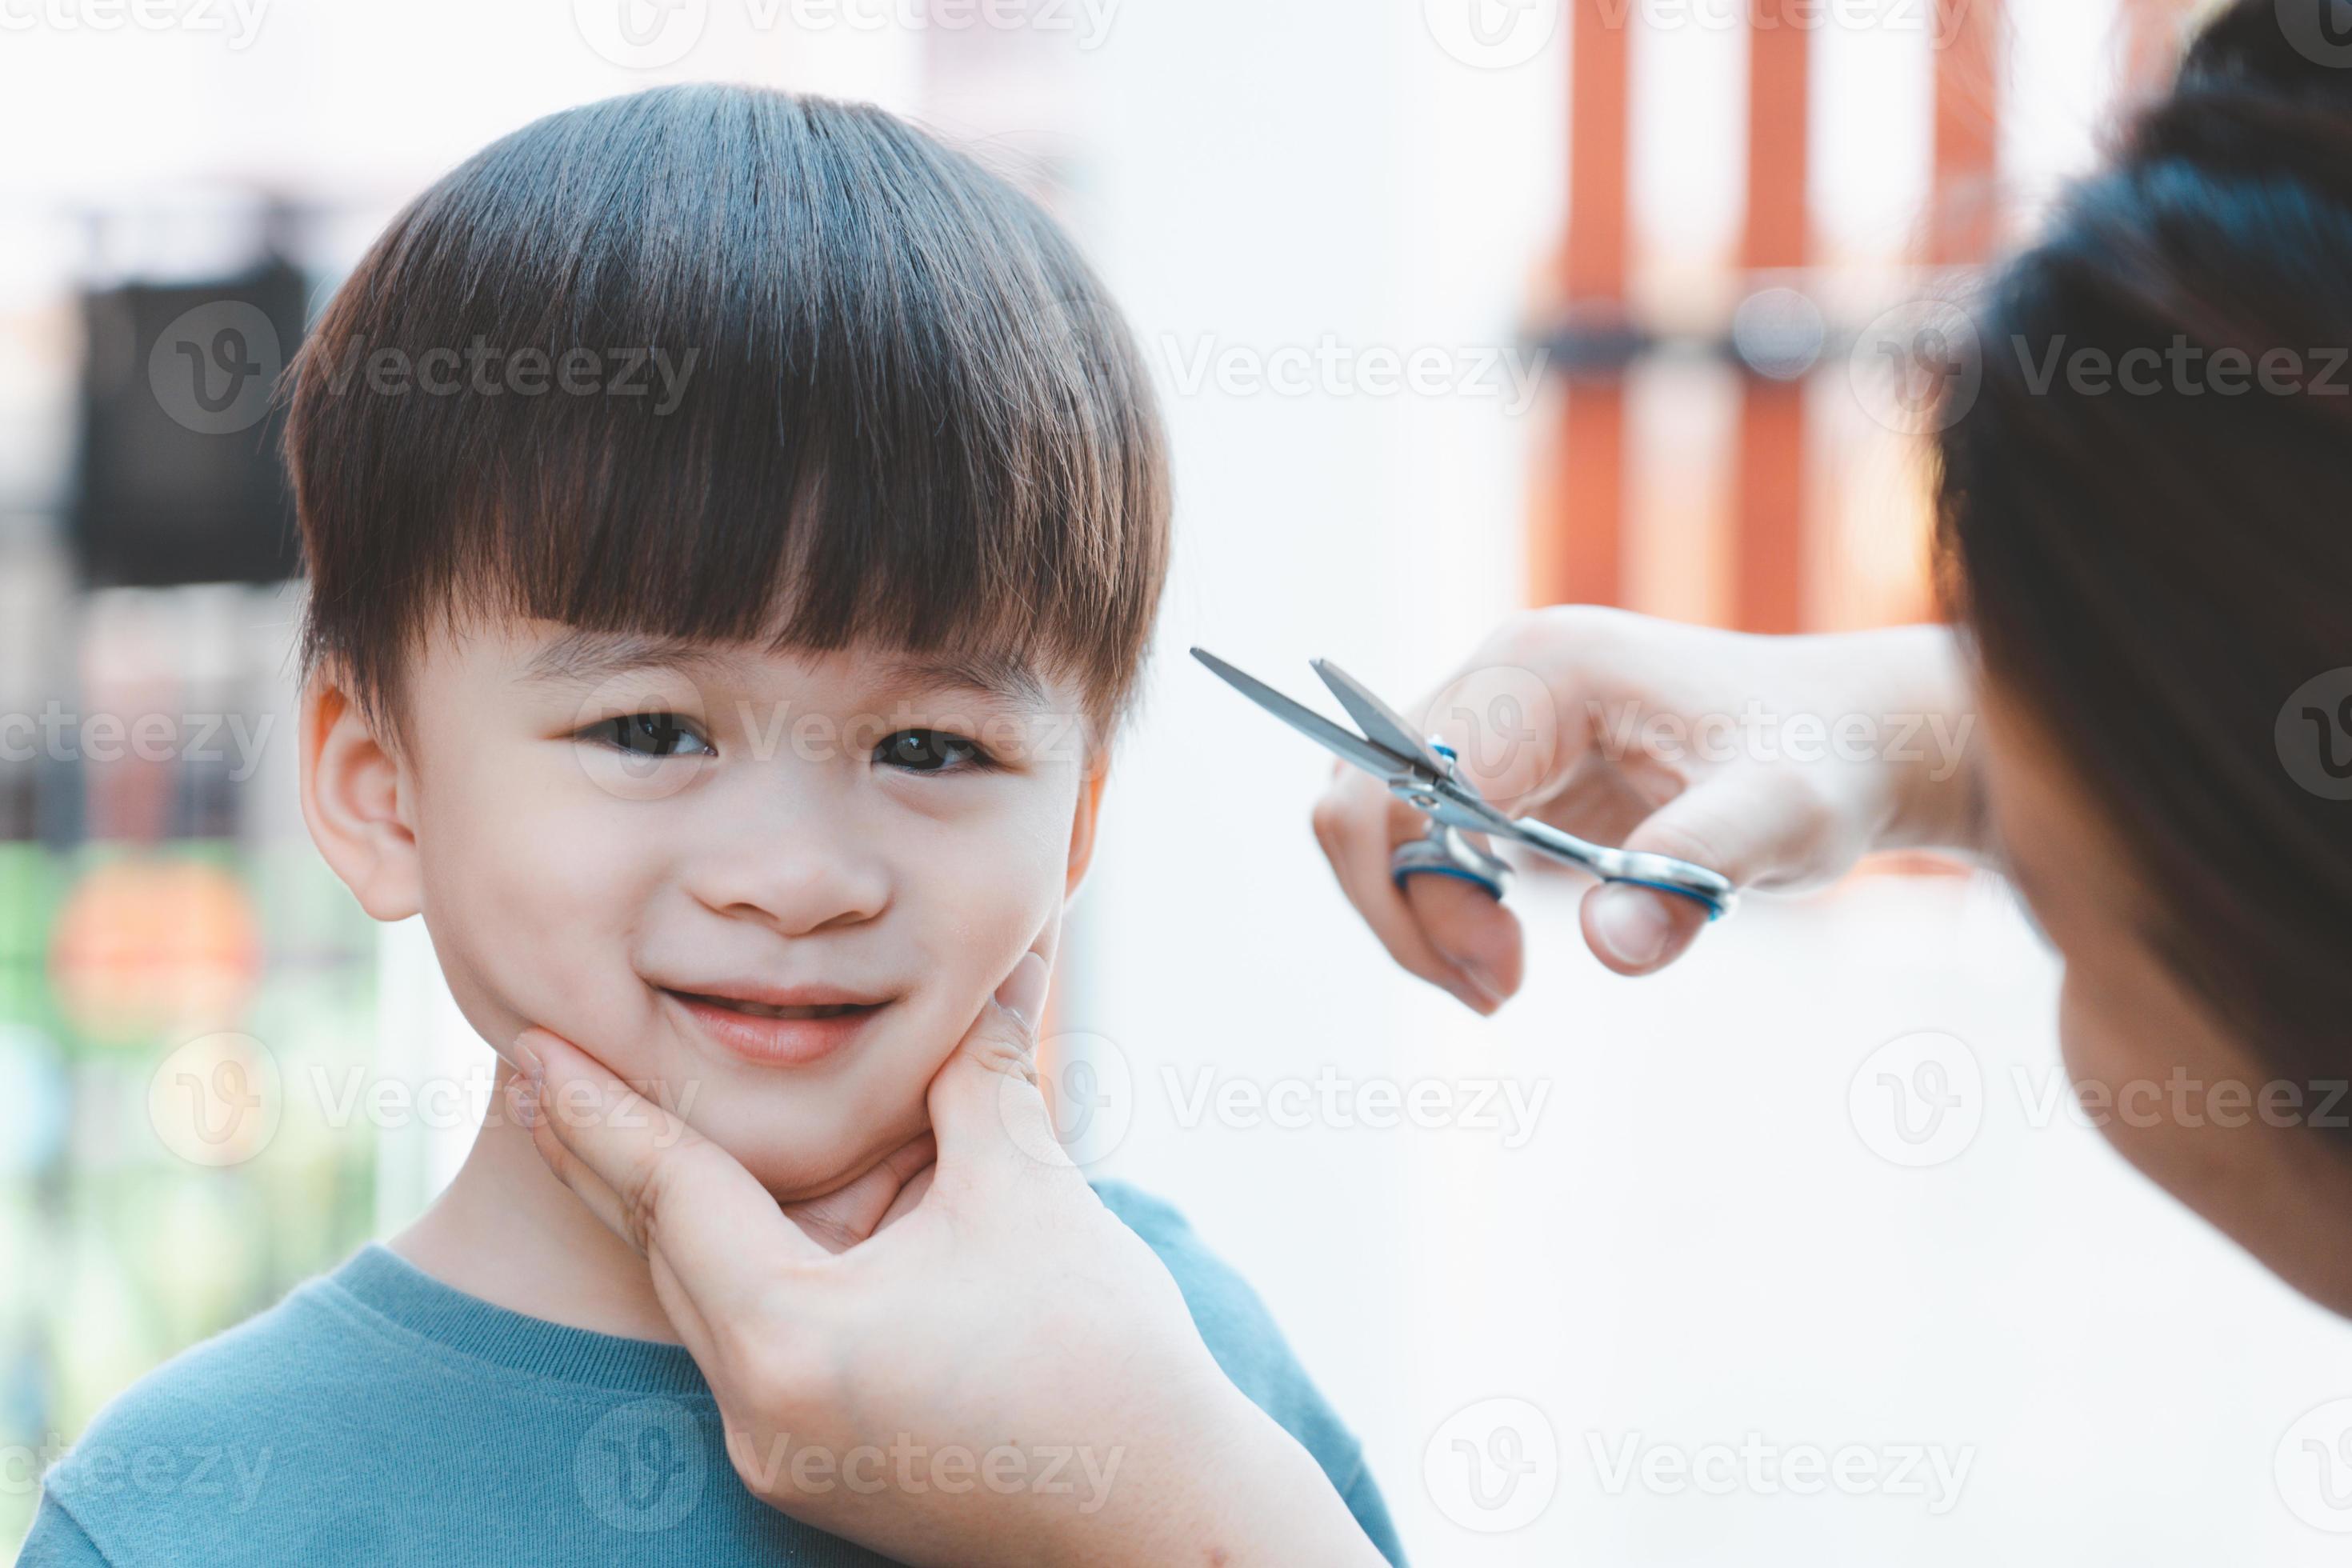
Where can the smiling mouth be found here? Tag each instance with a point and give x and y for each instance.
(778, 1033)
(767, 1010)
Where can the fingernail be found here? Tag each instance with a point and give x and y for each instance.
(527, 1058)
(1022, 995)
(522, 1098)
(1632, 925)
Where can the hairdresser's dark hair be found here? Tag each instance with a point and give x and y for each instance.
(2154, 573)
(899, 408)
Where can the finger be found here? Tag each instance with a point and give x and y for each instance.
(589, 1187)
(842, 1218)
(1474, 931)
(683, 1201)
(1725, 825)
(1359, 825)
(987, 1111)
(910, 1198)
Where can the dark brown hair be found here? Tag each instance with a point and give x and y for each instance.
(2155, 568)
(720, 363)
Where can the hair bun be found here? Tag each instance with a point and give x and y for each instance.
(2300, 47)
(2266, 88)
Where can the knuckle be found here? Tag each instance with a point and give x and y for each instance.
(647, 1194)
(1683, 839)
(1550, 632)
(998, 1051)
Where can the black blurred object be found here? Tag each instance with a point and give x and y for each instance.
(179, 479)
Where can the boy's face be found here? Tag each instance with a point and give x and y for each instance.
(632, 854)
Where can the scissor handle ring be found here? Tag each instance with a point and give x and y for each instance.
(1442, 852)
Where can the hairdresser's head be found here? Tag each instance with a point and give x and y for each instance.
(2144, 530)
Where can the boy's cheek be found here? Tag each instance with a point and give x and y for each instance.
(530, 922)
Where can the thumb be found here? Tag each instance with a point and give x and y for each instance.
(1720, 824)
(987, 1112)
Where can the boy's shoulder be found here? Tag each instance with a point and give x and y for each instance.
(1243, 1337)
(1240, 1333)
(200, 1448)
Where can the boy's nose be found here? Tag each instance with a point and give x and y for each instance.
(797, 888)
(798, 870)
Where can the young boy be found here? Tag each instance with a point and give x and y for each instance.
(735, 525)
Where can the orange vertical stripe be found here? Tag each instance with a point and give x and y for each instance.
(1964, 196)
(1770, 581)
(1578, 546)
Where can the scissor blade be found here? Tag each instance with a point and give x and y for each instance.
(1372, 759)
(1378, 720)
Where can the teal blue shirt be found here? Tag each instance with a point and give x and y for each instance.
(377, 1415)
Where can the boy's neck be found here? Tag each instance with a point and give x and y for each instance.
(508, 1231)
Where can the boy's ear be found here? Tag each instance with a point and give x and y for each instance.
(353, 802)
(1082, 823)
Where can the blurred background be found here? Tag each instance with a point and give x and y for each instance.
(1456, 306)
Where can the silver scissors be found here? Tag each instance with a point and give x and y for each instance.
(1424, 774)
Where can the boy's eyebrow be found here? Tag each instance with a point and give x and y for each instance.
(984, 674)
(586, 658)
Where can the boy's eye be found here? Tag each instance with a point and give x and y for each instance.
(926, 751)
(649, 735)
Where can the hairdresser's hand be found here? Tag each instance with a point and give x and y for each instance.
(1775, 760)
(995, 1322)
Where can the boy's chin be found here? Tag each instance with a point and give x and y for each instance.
(794, 1172)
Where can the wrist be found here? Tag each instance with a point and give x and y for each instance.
(1933, 778)
(1232, 1485)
